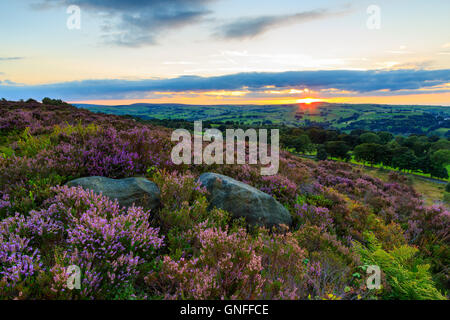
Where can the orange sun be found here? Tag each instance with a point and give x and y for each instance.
(309, 100)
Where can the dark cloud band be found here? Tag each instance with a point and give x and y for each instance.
(252, 27)
(356, 81)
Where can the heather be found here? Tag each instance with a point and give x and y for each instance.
(343, 220)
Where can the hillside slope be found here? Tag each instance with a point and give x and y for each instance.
(343, 218)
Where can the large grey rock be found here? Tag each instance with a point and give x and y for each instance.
(242, 200)
(139, 191)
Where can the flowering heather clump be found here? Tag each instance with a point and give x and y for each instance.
(177, 188)
(237, 265)
(318, 216)
(284, 270)
(107, 152)
(42, 118)
(227, 267)
(429, 228)
(429, 224)
(249, 174)
(279, 187)
(112, 240)
(184, 204)
(18, 260)
(4, 201)
(107, 242)
(63, 148)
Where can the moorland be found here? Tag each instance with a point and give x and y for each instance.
(343, 220)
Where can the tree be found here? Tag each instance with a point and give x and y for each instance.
(350, 140)
(332, 135)
(338, 149)
(447, 187)
(419, 144)
(386, 153)
(405, 160)
(302, 143)
(317, 135)
(440, 158)
(369, 137)
(357, 132)
(322, 153)
(55, 102)
(441, 144)
(369, 152)
(439, 172)
(385, 137)
(433, 138)
(424, 163)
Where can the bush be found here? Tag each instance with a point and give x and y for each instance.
(55, 102)
(226, 267)
(406, 276)
(77, 227)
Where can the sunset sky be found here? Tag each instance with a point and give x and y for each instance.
(226, 51)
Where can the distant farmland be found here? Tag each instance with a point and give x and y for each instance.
(429, 120)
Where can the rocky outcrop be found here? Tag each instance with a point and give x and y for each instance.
(129, 191)
(242, 200)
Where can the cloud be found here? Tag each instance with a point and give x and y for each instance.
(360, 82)
(243, 28)
(136, 23)
(6, 82)
(11, 58)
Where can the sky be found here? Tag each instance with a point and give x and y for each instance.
(226, 51)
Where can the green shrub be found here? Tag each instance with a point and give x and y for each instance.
(6, 151)
(406, 276)
(55, 102)
(30, 145)
(183, 206)
(318, 200)
(31, 195)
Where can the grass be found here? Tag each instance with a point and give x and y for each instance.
(379, 166)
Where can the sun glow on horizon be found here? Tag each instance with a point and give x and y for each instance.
(309, 100)
(442, 99)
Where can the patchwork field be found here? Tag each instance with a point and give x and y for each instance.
(396, 119)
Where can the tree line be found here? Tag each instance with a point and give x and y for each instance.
(413, 153)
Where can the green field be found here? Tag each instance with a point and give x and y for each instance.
(247, 114)
(429, 120)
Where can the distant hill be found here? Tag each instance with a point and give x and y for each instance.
(397, 119)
